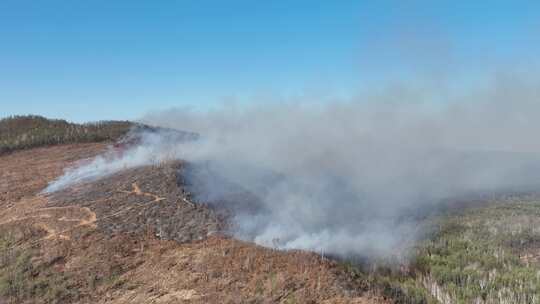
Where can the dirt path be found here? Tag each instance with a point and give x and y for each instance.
(137, 191)
(55, 221)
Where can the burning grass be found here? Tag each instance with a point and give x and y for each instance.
(141, 199)
(135, 237)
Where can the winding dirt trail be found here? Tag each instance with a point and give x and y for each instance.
(55, 221)
(137, 191)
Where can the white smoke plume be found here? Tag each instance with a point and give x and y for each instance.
(151, 148)
(352, 177)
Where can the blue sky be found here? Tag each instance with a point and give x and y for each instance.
(90, 60)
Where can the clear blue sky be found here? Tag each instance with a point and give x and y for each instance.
(94, 59)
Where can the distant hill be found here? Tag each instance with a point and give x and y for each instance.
(23, 132)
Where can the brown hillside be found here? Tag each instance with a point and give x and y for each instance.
(135, 237)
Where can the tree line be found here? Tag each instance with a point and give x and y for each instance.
(29, 131)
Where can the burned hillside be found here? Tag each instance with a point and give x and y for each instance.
(141, 199)
(135, 236)
(149, 230)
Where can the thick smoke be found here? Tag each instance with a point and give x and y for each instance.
(353, 177)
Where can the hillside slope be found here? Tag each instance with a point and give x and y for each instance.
(136, 238)
(139, 236)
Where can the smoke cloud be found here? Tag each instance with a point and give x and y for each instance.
(146, 146)
(350, 177)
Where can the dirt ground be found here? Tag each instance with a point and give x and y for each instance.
(135, 237)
